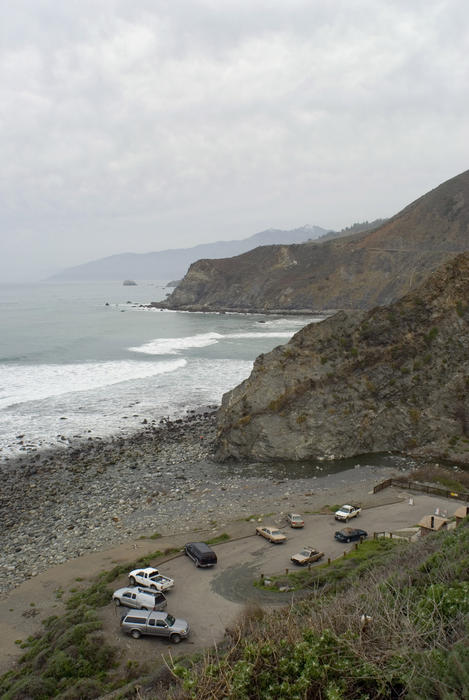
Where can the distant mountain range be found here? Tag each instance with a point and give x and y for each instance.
(171, 264)
(357, 270)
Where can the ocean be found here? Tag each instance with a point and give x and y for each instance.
(90, 360)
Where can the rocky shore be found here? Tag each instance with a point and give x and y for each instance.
(58, 505)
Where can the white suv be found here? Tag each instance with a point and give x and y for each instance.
(140, 598)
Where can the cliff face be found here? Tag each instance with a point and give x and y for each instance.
(358, 271)
(395, 378)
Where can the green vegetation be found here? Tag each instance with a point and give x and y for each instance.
(154, 536)
(357, 562)
(219, 538)
(453, 479)
(431, 335)
(461, 308)
(70, 657)
(390, 620)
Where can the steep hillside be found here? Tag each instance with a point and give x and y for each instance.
(167, 264)
(395, 378)
(356, 271)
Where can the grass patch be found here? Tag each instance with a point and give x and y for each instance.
(452, 479)
(154, 536)
(357, 562)
(394, 626)
(70, 657)
(224, 537)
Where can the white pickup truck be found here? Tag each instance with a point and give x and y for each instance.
(346, 513)
(150, 578)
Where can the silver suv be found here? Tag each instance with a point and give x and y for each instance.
(157, 624)
(136, 597)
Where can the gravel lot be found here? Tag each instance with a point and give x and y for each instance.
(209, 598)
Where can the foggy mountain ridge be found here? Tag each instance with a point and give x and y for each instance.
(174, 263)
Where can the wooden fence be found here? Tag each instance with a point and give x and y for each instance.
(426, 488)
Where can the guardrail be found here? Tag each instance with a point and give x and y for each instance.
(425, 488)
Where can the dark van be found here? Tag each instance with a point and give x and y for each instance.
(200, 553)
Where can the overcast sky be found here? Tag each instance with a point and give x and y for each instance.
(141, 125)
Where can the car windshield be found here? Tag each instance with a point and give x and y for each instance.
(170, 620)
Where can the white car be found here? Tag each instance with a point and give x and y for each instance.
(140, 598)
(150, 578)
(346, 513)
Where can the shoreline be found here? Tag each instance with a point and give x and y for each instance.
(160, 481)
(196, 308)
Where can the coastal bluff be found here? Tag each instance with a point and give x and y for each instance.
(356, 271)
(395, 378)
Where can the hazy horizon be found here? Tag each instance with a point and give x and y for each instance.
(139, 127)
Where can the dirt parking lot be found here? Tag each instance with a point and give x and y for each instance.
(210, 599)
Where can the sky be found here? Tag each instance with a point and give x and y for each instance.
(142, 125)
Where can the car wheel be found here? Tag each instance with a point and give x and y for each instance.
(117, 602)
(154, 587)
(175, 638)
(347, 540)
(135, 634)
(132, 581)
(143, 608)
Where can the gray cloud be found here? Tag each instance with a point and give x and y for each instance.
(145, 125)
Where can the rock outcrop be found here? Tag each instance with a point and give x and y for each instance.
(392, 379)
(357, 271)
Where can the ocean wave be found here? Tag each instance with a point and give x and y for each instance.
(172, 346)
(21, 383)
(255, 334)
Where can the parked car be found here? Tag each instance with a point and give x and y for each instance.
(295, 520)
(150, 578)
(200, 553)
(155, 623)
(307, 556)
(349, 534)
(347, 512)
(141, 598)
(272, 534)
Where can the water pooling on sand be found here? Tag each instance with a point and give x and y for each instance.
(85, 360)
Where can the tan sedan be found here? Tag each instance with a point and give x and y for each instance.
(272, 534)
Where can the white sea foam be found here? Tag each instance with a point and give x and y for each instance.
(21, 383)
(266, 334)
(120, 408)
(173, 346)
